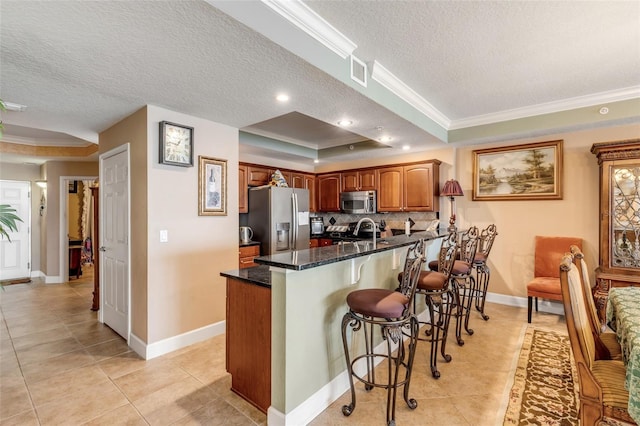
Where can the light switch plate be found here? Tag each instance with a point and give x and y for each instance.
(164, 236)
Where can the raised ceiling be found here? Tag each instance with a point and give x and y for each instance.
(438, 72)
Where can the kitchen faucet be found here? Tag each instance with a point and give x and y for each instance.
(357, 229)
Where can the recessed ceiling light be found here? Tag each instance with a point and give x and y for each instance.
(604, 110)
(406, 147)
(282, 97)
(379, 128)
(345, 123)
(316, 161)
(386, 139)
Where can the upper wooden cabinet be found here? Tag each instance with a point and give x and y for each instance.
(421, 187)
(243, 199)
(390, 184)
(329, 192)
(359, 180)
(410, 188)
(306, 181)
(258, 176)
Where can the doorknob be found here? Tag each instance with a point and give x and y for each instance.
(103, 248)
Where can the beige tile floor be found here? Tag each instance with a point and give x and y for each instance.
(59, 366)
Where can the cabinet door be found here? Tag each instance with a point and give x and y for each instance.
(297, 180)
(243, 205)
(350, 181)
(368, 180)
(419, 188)
(310, 184)
(258, 176)
(390, 183)
(329, 192)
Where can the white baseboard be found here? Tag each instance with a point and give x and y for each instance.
(37, 274)
(55, 279)
(153, 350)
(549, 306)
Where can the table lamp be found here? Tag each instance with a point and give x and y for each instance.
(452, 189)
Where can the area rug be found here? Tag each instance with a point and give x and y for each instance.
(543, 390)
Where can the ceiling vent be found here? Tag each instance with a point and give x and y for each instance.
(358, 71)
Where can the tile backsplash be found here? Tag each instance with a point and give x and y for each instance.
(422, 220)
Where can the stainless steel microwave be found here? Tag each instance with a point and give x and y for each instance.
(358, 202)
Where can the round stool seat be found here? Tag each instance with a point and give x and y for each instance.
(460, 267)
(432, 281)
(480, 258)
(378, 302)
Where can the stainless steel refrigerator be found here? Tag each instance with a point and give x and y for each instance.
(279, 218)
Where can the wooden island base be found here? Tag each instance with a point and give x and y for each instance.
(249, 351)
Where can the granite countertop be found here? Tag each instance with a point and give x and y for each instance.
(319, 256)
(250, 243)
(259, 275)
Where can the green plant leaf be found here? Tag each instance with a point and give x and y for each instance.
(8, 221)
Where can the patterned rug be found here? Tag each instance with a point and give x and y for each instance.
(543, 392)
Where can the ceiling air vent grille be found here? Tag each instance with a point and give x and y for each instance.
(358, 71)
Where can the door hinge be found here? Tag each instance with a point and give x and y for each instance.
(29, 265)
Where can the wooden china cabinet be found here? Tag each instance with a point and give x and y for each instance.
(619, 264)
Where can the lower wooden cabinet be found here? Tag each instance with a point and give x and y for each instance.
(247, 254)
(248, 336)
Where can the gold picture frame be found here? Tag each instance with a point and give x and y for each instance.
(518, 172)
(212, 186)
(176, 144)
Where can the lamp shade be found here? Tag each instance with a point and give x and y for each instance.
(451, 188)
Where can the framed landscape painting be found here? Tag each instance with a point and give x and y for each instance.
(518, 172)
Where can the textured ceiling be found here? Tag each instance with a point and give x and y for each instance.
(82, 66)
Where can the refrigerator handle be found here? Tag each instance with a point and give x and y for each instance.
(294, 214)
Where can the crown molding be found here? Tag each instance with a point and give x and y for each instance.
(392, 83)
(300, 15)
(548, 108)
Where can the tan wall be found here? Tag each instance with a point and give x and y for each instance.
(186, 291)
(56, 173)
(576, 215)
(133, 130)
(176, 286)
(31, 173)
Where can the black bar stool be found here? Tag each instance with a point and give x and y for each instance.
(391, 311)
(483, 272)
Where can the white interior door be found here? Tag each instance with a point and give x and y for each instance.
(114, 240)
(15, 256)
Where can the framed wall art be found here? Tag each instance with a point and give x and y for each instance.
(212, 186)
(176, 144)
(519, 172)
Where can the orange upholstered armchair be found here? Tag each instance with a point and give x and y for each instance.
(546, 281)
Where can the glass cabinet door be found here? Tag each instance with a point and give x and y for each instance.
(625, 216)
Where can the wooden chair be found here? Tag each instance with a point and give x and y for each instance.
(607, 346)
(601, 382)
(546, 284)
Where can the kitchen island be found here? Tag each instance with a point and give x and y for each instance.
(283, 322)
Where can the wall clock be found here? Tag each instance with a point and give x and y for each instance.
(176, 144)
